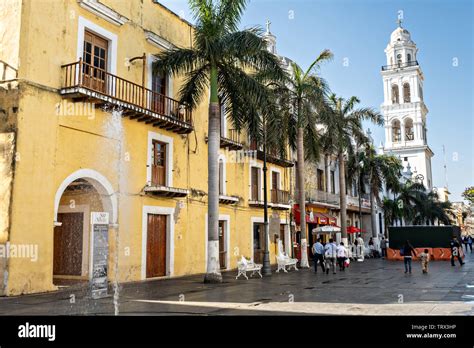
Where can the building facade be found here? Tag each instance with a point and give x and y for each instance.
(89, 127)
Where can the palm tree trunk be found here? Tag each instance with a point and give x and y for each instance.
(373, 216)
(302, 199)
(213, 274)
(342, 197)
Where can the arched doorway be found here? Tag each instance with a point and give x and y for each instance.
(81, 193)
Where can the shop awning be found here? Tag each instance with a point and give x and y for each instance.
(314, 217)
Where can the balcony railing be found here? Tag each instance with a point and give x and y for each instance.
(314, 195)
(272, 156)
(399, 65)
(279, 196)
(231, 140)
(85, 80)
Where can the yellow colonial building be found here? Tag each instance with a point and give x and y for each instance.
(86, 126)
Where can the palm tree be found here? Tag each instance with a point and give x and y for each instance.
(391, 212)
(302, 97)
(409, 195)
(375, 171)
(343, 124)
(429, 209)
(221, 57)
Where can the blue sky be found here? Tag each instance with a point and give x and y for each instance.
(357, 32)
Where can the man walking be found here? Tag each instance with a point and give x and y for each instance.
(455, 251)
(330, 256)
(383, 246)
(318, 253)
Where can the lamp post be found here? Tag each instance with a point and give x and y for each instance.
(266, 268)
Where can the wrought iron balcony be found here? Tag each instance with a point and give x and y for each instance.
(272, 156)
(399, 65)
(231, 140)
(83, 81)
(319, 196)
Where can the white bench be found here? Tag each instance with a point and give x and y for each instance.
(244, 266)
(284, 260)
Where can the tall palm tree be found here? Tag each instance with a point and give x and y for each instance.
(221, 57)
(302, 97)
(409, 195)
(375, 171)
(391, 212)
(343, 124)
(429, 209)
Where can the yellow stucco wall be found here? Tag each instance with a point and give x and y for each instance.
(51, 147)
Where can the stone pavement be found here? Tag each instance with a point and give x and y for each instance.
(373, 287)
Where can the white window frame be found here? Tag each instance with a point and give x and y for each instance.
(276, 170)
(260, 179)
(169, 81)
(169, 156)
(226, 219)
(83, 25)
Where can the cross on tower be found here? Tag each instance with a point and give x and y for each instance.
(399, 22)
(268, 25)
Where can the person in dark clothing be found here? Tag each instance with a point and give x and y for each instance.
(383, 246)
(318, 252)
(469, 242)
(408, 252)
(455, 251)
(464, 241)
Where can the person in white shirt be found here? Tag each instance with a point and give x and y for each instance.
(330, 256)
(361, 246)
(342, 255)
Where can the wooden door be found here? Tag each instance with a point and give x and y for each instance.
(275, 187)
(254, 184)
(67, 255)
(158, 169)
(258, 235)
(222, 245)
(156, 246)
(282, 236)
(159, 87)
(95, 62)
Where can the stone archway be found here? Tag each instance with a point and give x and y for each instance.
(81, 193)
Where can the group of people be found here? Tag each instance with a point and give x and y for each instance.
(408, 251)
(467, 241)
(329, 256)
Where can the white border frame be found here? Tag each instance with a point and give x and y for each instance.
(169, 156)
(150, 209)
(100, 183)
(222, 217)
(260, 220)
(150, 59)
(260, 177)
(84, 24)
(86, 266)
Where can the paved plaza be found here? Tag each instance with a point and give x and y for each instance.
(372, 287)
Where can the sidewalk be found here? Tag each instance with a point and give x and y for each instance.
(372, 287)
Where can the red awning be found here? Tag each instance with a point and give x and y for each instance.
(353, 229)
(314, 218)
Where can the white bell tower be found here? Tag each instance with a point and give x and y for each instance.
(403, 107)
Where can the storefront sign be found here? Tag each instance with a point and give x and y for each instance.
(100, 253)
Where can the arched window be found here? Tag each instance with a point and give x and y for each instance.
(408, 57)
(409, 134)
(396, 131)
(406, 92)
(395, 99)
